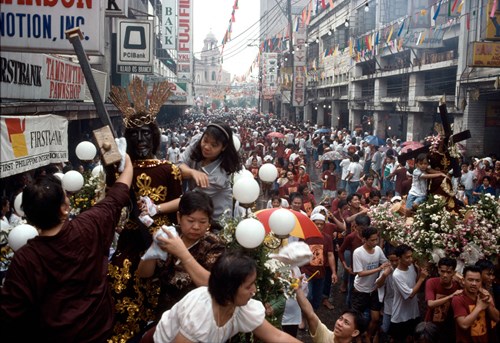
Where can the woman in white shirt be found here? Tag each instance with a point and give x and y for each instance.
(217, 313)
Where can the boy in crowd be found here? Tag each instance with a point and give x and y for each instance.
(350, 243)
(347, 328)
(474, 310)
(487, 274)
(418, 191)
(367, 188)
(386, 292)
(439, 291)
(405, 312)
(368, 260)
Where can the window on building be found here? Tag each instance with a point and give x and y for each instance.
(206, 75)
(213, 76)
(365, 21)
(392, 9)
(341, 37)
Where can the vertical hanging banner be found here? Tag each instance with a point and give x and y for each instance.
(29, 142)
(269, 74)
(492, 21)
(299, 65)
(185, 43)
(168, 24)
(39, 26)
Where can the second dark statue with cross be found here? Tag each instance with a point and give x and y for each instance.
(441, 158)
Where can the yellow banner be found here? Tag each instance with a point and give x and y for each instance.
(493, 23)
(486, 54)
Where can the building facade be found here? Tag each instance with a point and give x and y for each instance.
(210, 80)
(383, 66)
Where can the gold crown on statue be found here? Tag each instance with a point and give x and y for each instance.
(139, 114)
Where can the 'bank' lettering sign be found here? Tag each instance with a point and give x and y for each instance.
(29, 142)
(39, 26)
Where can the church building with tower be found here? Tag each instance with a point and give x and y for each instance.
(210, 80)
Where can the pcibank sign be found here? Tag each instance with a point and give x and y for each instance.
(39, 25)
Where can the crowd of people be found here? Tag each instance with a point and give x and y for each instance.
(170, 277)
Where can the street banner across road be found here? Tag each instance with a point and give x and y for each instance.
(29, 142)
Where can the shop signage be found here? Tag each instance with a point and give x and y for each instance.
(168, 24)
(185, 41)
(39, 26)
(117, 8)
(486, 54)
(135, 47)
(29, 142)
(299, 63)
(40, 77)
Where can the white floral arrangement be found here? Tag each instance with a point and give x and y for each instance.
(436, 232)
(93, 191)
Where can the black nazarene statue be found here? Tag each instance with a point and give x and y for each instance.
(157, 183)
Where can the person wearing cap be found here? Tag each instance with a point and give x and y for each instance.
(322, 249)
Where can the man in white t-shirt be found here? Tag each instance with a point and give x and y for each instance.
(368, 261)
(344, 164)
(405, 313)
(173, 153)
(467, 179)
(354, 174)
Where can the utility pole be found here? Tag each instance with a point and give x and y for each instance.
(290, 51)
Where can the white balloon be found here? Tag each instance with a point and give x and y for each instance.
(246, 190)
(97, 170)
(17, 204)
(268, 172)
(242, 174)
(236, 142)
(20, 234)
(250, 233)
(3, 225)
(72, 181)
(282, 221)
(86, 151)
(59, 175)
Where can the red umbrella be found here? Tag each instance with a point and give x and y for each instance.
(410, 146)
(276, 135)
(304, 227)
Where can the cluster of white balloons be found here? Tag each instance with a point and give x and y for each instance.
(250, 233)
(72, 181)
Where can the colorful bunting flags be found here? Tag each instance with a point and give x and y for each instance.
(437, 11)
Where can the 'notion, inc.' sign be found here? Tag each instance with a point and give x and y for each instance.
(40, 77)
(39, 26)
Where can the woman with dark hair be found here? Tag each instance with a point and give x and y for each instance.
(208, 162)
(57, 282)
(217, 313)
(190, 255)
